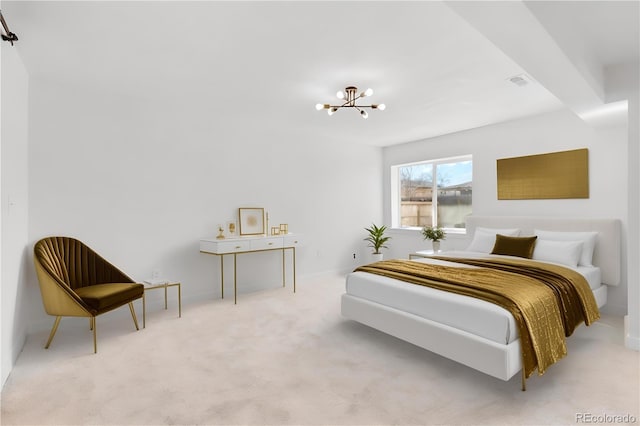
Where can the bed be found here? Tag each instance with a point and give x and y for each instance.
(480, 335)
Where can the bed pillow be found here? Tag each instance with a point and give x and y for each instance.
(485, 238)
(510, 232)
(588, 240)
(514, 246)
(563, 252)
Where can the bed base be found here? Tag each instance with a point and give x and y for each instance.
(486, 356)
(489, 357)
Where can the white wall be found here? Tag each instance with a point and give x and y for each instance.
(14, 210)
(557, 131)
(142, 180)
(622, 82)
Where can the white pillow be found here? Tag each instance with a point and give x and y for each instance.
(485, 238)
(564, 252)
(588, 240)
(509, 232)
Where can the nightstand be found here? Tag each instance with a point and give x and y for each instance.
(421, 253)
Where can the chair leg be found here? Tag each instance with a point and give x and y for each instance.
(95, 339)
(133, 314)
(53, 332)
(90, 323)
(144, 311)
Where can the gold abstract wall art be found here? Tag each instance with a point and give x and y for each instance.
(554, 175)
(251, 220)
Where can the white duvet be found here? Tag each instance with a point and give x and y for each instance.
(462, 312)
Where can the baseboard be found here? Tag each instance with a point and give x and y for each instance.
(631, 342)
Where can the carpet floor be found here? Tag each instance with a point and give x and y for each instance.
(281, 358)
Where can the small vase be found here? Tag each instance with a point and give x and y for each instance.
(376, 257)
(436, 246)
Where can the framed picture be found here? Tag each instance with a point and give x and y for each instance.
(251, 220)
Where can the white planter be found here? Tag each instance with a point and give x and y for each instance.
(376, 257)
(436, 246)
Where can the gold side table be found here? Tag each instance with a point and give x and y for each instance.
(165, 286)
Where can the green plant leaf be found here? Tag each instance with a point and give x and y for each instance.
(376, 238)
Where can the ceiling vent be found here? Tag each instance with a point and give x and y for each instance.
(520, 80)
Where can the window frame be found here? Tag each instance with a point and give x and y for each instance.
(396, 191)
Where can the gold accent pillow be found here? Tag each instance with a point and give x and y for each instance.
(514, 246)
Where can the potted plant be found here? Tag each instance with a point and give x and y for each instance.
(435, 234)
(377, 239)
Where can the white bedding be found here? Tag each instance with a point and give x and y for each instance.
(475, 316)
(592, 274)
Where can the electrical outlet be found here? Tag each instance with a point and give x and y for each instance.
(354, 256)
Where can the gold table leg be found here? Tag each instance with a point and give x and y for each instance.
(222, 275)
(165, 297)
(144, 311)
(235, 269)
(165, 287)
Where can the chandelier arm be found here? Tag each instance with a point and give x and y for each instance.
(9, 36)
(350, 106)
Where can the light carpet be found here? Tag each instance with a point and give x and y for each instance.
(283, 358)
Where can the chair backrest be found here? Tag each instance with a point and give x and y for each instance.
(74, 264)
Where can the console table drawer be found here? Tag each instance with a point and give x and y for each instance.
(292, 240)
(224, 246)
(266, 243)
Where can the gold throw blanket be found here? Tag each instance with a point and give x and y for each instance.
(547, 301)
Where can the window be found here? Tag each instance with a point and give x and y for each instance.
(434, 192)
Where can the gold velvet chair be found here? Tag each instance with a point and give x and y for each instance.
(75, 281)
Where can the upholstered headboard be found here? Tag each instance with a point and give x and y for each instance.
(608, 245)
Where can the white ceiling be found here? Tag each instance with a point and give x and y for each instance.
(271, 62)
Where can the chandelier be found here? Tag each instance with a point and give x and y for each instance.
(350, 96)
(7, 35)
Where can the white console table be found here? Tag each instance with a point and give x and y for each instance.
(250, 244)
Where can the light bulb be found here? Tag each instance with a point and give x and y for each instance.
(340, 94)
(319, 106)
(368, 92)
(364, 114)
(330, 111)
(382, 107)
